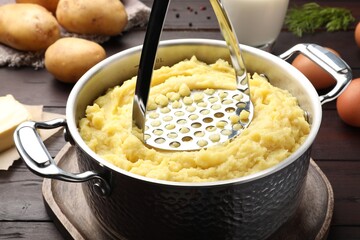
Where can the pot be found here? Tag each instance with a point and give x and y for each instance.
(129, 206)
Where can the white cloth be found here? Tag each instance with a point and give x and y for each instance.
(138, 15)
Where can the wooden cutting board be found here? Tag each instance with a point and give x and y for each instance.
(67, 207)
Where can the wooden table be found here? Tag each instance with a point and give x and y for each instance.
(336, 149)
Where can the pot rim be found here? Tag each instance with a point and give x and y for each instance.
(315, 124)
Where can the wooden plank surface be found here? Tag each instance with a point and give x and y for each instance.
(29, 230)
(336, 149)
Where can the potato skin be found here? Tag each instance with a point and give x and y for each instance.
(27, 26)
(100, 17)
(69, 58)
(48, 4)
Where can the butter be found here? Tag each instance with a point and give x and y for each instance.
(12, 113)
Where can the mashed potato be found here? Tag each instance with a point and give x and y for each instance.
(276, 131)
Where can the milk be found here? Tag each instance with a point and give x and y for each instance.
(256, 22)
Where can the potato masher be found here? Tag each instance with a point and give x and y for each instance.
(211, 116)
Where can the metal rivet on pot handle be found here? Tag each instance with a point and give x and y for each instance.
(35, 155)
(327, 60)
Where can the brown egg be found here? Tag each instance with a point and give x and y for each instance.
(348, 104)
(319, 78)
(357, 34)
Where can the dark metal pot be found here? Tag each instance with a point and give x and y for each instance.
(136, 207)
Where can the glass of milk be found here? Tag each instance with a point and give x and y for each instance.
(257, 23)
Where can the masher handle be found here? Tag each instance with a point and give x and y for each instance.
(232, 42)
(147, 60)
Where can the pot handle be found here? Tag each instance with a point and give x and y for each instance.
(38, 159)
(327, 60)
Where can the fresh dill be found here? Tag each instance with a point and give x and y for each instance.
(311, 16)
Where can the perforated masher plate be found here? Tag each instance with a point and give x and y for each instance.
(205, 118)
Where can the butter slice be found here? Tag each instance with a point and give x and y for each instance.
(12, 113)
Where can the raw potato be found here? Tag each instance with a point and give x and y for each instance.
(69, 58)
(27, 26)
(48, 4)
(100, 17)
